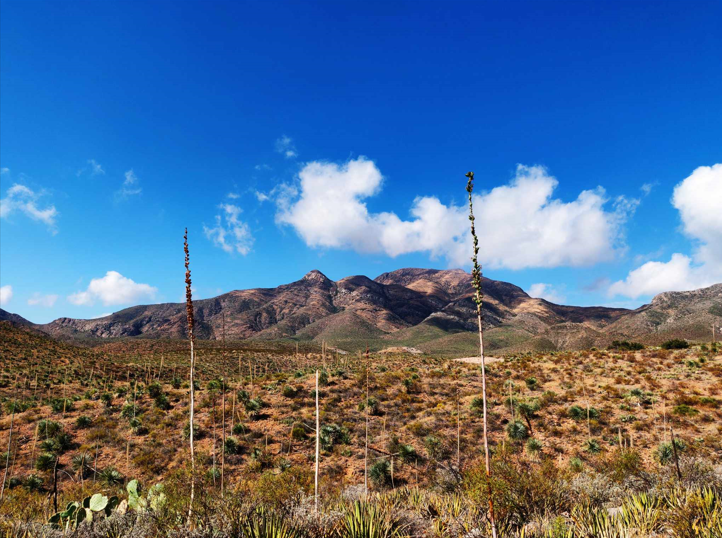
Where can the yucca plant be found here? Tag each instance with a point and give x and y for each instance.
(264, 524)
(369, 520)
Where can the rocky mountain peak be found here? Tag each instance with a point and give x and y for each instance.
(316, 277)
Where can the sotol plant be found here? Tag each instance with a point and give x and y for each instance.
(478, 298)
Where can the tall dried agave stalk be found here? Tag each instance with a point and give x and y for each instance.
(478, 298)
(191, 338)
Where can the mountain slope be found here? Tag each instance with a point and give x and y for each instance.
(426, 308)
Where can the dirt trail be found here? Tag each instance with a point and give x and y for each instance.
(477, 360)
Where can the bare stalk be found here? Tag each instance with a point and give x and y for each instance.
(478, 298)
(366, 450)
(191, 338)
(318, 446)
(7, 459)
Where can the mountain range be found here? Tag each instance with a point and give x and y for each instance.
(432, 310)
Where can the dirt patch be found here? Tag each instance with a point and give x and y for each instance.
(477, 360)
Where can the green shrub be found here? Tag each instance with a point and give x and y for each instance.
(517, 431)
(684, 410)
(579, 413)
(45, 461)
(675, 343)
(332, 434)
(83, 421)
(289, 391)
(434, 447)
(625, 345)
(232, 446)
(533, 446)
(380, 473)
(48, 428)
(407, 453)
(665, 452)
(239, 429)
(592, 446)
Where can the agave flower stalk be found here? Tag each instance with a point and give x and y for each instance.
(191, 338)
(478, 299)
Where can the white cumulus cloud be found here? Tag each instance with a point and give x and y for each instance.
(546, 291)
(46, 301)
(230, 233)
(520, 224)
(698, 198)
(6, 293)
(20, 198)
(113, 289)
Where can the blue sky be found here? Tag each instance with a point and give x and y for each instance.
(342, 132)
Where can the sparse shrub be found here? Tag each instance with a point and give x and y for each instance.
(48, 428)
(434, 447)
(684, 410)
(576, 464)
(407, 453)
(59, 405)
(380, 473)
(625, 345)
(33, 482)
(239, 428)
(323, 378)
(665, 452)
(176, 383)
(533, 446)
(592, 446)
(83, 421)
(111, 477)
(161, 402)
(107, 399)
(517, 431)
(289, 391)
(332, 434)
(298, 433)
(532, 383)
(45, 461)
(197, 432)
(155, 389)
(373, 405)
(129, 410)
(580, 413)
(675, 343)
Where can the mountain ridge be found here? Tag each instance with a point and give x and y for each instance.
(410, 306)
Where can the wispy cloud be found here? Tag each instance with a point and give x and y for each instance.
(285, 147)
(265, 167)
(4, 171)
(230, 233)
(647, 187)
(46, 301)
(20, 198)
(547, 292)
(129, 187)
(233, 195)
(113, 289)
(261, 196)
(93, 168)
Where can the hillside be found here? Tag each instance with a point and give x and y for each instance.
(425, 308)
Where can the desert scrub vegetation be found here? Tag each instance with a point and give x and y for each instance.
(632, 398)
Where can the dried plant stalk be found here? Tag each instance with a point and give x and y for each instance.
(191, 338)
(478, 298)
